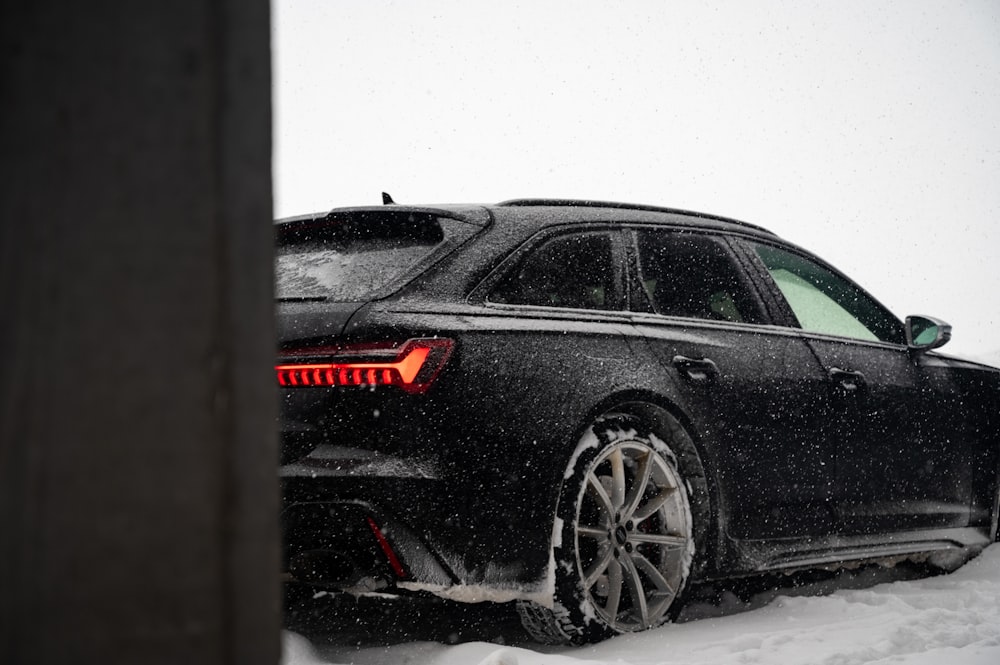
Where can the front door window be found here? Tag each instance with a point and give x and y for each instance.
(824, 302)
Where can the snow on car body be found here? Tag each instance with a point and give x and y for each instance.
(584, 406)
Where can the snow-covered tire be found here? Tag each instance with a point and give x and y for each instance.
(625, 534)
(995, 521)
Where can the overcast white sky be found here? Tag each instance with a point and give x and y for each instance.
(866, 131)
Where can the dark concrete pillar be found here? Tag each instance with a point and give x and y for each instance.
(138, 499)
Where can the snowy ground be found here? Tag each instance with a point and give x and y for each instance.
(952, 619)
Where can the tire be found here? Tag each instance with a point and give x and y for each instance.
(624, 540)
(995, 520)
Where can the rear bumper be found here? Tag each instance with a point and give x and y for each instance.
(345, 528)
(355, 547)
(361, 521)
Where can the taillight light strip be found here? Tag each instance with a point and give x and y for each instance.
(414, 367)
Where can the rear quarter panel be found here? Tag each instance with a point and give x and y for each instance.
(504, 416)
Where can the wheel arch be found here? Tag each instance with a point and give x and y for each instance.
(655, 422)
(659, 413)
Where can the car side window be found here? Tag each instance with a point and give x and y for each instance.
(694, 276)
(825, 302)
(572, 271)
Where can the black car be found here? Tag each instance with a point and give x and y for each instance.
(585, 406)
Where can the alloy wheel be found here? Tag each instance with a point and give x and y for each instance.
(633, 535)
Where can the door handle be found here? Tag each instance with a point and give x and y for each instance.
(850, 382)
(700, 370)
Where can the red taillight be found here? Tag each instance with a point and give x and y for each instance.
(412, 366)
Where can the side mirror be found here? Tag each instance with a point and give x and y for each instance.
(924, 333)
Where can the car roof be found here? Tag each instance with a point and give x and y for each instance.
(538, 213)
(591, 210)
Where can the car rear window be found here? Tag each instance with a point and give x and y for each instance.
(352, 257)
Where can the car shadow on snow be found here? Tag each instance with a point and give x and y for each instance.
(343, 620)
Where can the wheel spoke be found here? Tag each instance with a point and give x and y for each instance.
(596, 489)
(614, 590)
(617, 478)
(594, 532)
(605, 556)
(634, 583)
(654, 504)
(638, 485)
(661, 595)
(665, 541)
(655, 576)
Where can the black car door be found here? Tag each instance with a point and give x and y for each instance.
(753, 391)
(901, 462)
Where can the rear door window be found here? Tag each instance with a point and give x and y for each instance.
(352, 257)
(694, 276)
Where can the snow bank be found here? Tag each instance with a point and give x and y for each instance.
(953, 619)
